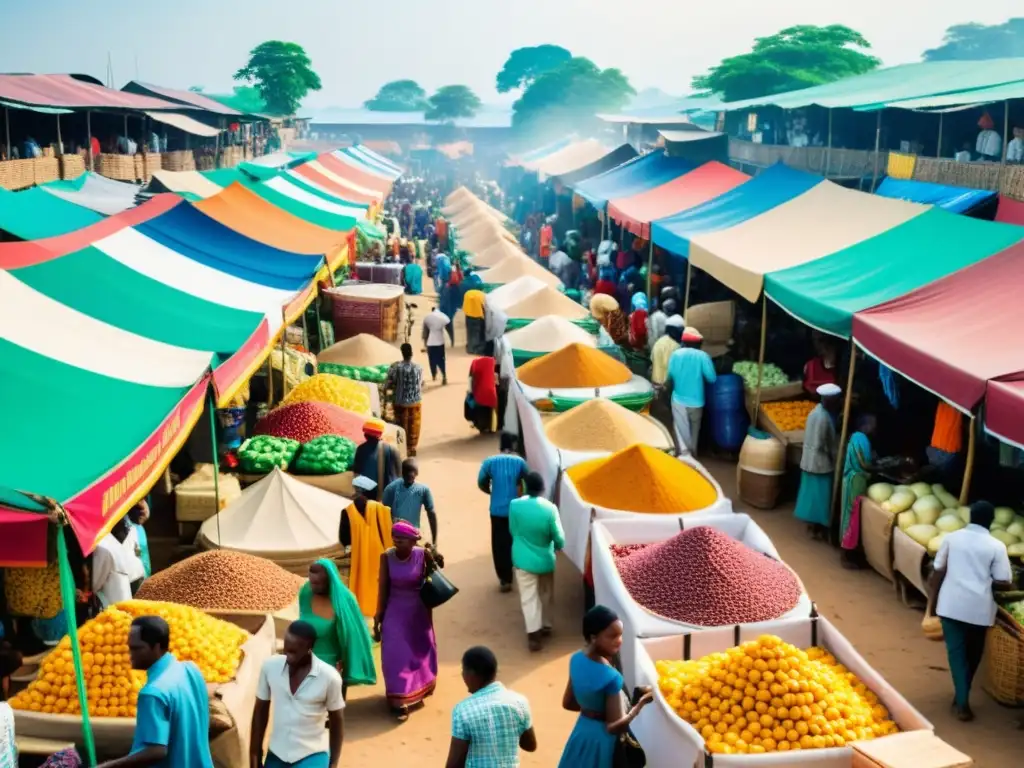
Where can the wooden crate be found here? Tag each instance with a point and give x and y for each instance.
(119, 167)
(45, 170)
(179, 160)
(17, 174)
(72, 166)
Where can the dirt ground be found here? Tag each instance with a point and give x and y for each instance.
(862, 604)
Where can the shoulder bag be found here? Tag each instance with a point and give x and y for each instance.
(628, 753)
(437, 589)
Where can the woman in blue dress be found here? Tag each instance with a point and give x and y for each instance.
(595, 691)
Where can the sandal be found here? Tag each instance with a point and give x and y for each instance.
(401, 714)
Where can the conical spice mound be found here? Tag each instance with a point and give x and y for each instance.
(574, 366)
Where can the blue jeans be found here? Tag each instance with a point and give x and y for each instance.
(319, 760)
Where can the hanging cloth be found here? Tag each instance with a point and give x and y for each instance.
(371, 537)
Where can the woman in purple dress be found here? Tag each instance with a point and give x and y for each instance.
(403, 624)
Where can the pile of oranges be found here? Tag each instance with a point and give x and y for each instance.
(112, 685)
(788, 415)
(770, 696)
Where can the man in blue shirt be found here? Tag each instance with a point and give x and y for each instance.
(689, 370)
(501, 476)
(407, 498)
(172, 719)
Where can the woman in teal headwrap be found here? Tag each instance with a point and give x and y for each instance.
(342, 638)
(856, 476)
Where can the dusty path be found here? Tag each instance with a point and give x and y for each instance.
(863, 605)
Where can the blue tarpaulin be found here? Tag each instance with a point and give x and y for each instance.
(953, 199)
(647, 172)
(775, 186)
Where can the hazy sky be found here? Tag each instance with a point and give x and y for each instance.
(356, 46)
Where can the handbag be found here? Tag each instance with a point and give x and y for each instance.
(627, 752)
(437, 589)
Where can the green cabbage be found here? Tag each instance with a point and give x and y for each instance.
(259, 455)
(325, 455)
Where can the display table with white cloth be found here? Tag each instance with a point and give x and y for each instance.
(670, 742)
(639, 622)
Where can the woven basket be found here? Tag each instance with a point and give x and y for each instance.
(974, 175)
(45, 169)
(71, 166)
(179, 160)
(230, 157)
(120, 167)
(1004, 661)
(17, 174)
(205, 163)
(1013, 182)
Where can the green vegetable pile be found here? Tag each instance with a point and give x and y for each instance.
(772, 377)
(1016, 610)
(325, 455)
(259, 455)
(376, 374)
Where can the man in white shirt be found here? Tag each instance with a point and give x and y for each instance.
(110, 569)
(1015, 149)
(989, 145)
(433, 336)
(303, 691)
(970, 564)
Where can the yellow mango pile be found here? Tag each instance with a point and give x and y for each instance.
(33, 592)
(789, 415)
(329, 388)
(770, 696)
(113, 686)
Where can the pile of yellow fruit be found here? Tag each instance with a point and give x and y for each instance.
(113, 686)
(788, 415)
(329, 388)
(770, 696)
(33, 591)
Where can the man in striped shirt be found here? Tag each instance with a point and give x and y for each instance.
(502, 476)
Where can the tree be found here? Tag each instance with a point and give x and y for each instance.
(195, 88)
(979, 41)
(524, 65)
(570, 95)
(282, 73)
(398, 96)
(797, 57)
(450, 103)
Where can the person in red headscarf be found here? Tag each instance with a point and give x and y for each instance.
(989, 145)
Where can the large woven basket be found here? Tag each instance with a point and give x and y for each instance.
(120, 167)
(1004, 661)
(45, 170)
(1013, 182)
(72, 166)
(179, 160)
(17, 174)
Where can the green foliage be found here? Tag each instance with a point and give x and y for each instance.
(195, 88)
(524, 65)
(450, 103)
(980, 41)
(282, 73)
(569, 97)
(797, 57)
(398, 96)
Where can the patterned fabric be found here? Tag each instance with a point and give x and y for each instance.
(8, 753)
(492, 720)
(408, 418)
(406, 379)
(66, 758)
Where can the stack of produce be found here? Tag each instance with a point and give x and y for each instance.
(326, 455)
(113, 686)
(789, 415)
(704, 577)
(772, 375)
(573, 367)
(260, 454)
(337, 390)
(928, 513)
(603, 425)
(362, 357)
(769, 696)
(33, 592)
(306, 420)
(224, 581)
(642, 479)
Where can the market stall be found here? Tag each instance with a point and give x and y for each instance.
(384, 274)
(698, 577)
(373, 309)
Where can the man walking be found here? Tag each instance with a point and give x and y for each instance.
(536, 536)
(172, 720)
(433, 336)
(405, 385)
(500, 476)
(303, 691)
(493, 723)
(970, 564)
(689, 370)
(407, 499)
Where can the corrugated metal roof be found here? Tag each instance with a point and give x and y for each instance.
(193, 99)
(68, 91)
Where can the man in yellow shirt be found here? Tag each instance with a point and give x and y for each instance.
(473, 309)
(664, 347)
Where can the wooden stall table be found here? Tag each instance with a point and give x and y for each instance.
(793, 439)
(911, 565)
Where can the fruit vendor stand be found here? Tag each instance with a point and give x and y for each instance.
(641, 621)
(670, 741)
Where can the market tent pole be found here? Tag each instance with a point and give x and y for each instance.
(7, 130)
(1006, 142)
(305, 331)
(686, 296)
(284, 378)
(845, 433)
(88, 133)
(60, 142)
(878, 144)
(760, 357)
(67, 593)
(650, 267)
(270, 381)
(965, 488)
(126, 145)
(938, 147)
(828, 150)
(604, 221)
(216, 460)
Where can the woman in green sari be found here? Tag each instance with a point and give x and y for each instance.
(342, 637)
(857, 469)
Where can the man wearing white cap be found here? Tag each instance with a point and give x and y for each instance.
(818, 462)
(689, 370)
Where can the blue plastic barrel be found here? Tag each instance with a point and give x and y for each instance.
(728, 412)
